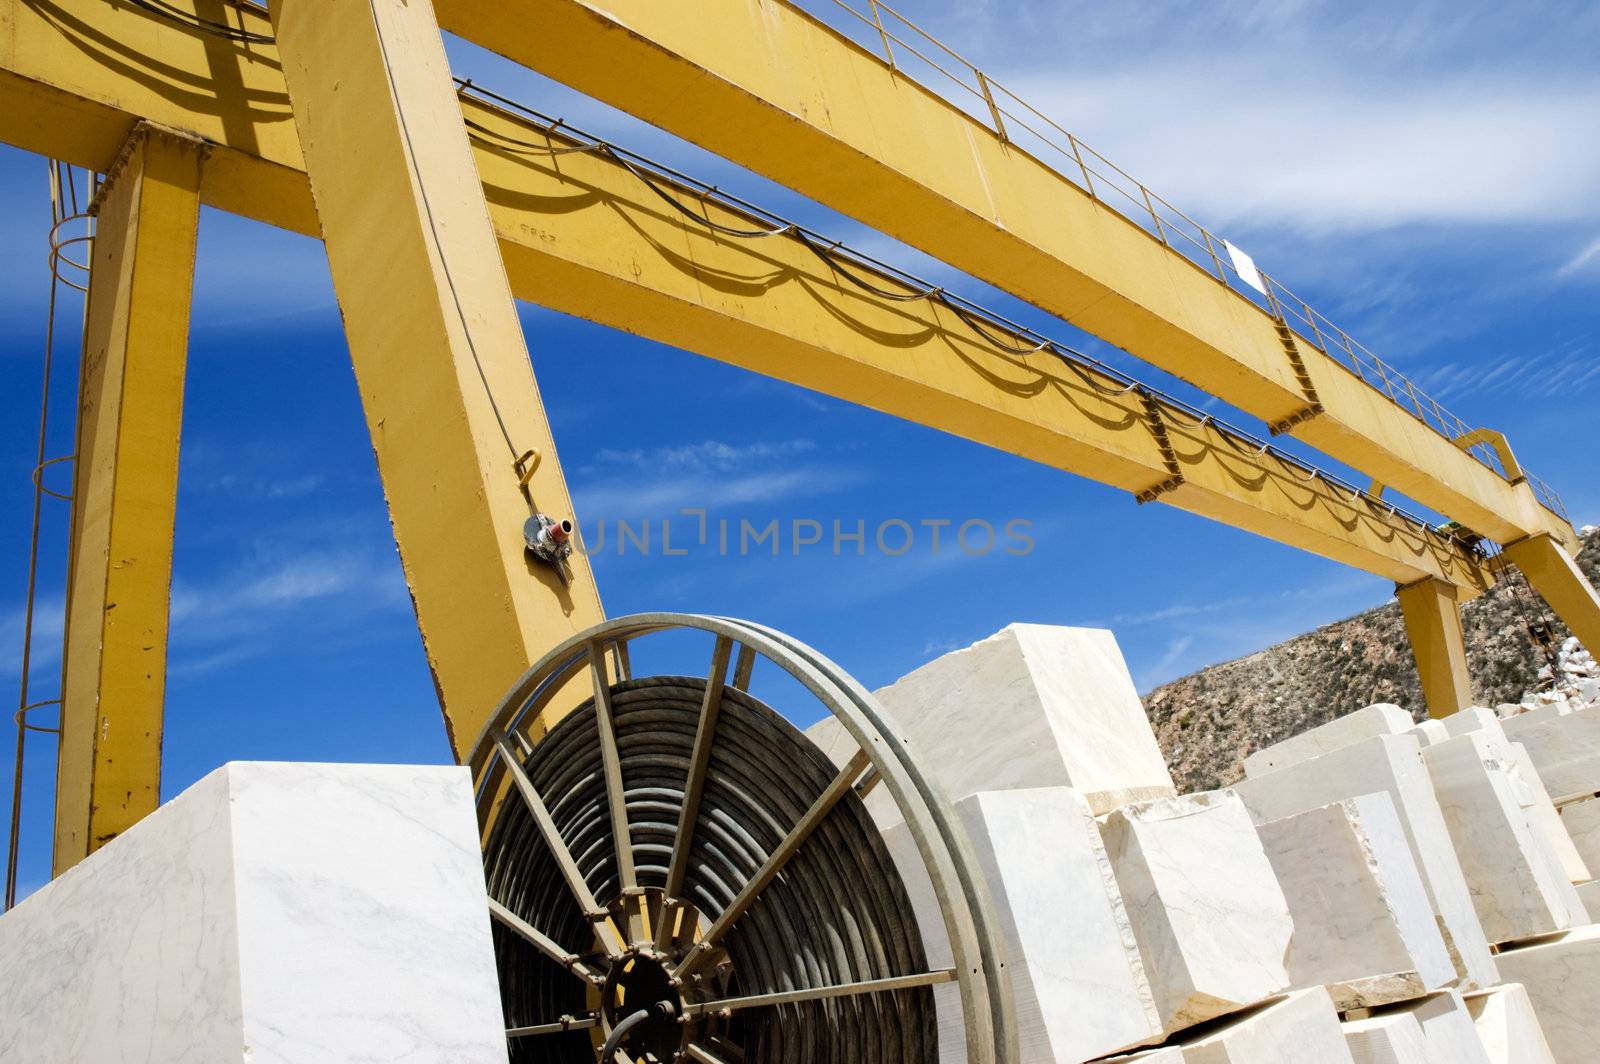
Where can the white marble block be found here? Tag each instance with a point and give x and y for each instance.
(1543, 815)
(1390, 764)
(1528, 786)
(1032, 706)
(1076, 972)
(1471, 719)
(1562, 978)
(1301, 1027)
(1388, 1038)
(1518, 885)
(1430, 732)
(1448, 1027)
(1212, 923)
(1507, 1025)
(272, 913)
(1565, 748)
(1336, 734)
(1363, 926)
(1582, 821)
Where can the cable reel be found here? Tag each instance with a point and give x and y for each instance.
(677, 874)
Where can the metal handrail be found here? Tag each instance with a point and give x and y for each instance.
(1008, 114)
(993, 328)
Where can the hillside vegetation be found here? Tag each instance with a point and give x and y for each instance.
(1207, 722)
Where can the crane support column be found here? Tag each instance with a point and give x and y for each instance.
(463, 446)
(130, 407)
(1556, 576)
(1432, 613)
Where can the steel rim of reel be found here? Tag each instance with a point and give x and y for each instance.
(640, 943)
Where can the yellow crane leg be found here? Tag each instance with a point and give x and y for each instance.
(1556, 576)
(130, 407)
(1432, 612)
(463, 446)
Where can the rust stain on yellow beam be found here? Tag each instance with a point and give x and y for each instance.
(439, 353)
(125, 492)
(768, 86)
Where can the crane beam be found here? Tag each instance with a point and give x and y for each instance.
(136, 334)
(579, 233)
(583, 234)
(463, 445)
(768, 85)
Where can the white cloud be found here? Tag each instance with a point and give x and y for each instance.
(659, 481)
(708, 455)
(1174, 653)
(49, 618)
(1589, 255)
(233, 617)
(663, 497)
(1236, 144)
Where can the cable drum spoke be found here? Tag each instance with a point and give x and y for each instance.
(566, 1023)
(841, 785)
(705, 735)
(665, 797)
(558, 848)
(543, 943)
(821, 993)
(611, 763)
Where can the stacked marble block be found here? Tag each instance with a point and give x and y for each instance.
(1355, 898)
(1477, 800)
(313, 914)
(1564, 746)
(1562, 971)
(1134, 916)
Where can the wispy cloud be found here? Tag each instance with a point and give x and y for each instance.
(1567, 370)
(1588, 256)
(260, 487)
(710, 474)
(1341, 150)
(49, 619)
(706, 456)
(1168, 662)
(233, 617)
(646, 496)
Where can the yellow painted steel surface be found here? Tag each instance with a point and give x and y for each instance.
(439, 353)
(125, 493)
(586, 238)
(768, 86)
(1551, 569)
(1432, 613)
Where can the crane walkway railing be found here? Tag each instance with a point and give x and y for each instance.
(910, 50)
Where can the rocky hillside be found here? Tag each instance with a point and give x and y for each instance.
(1209, 721)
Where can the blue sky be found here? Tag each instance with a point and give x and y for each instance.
(1429, 179)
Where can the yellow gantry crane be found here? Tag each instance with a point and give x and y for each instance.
(440, 204)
